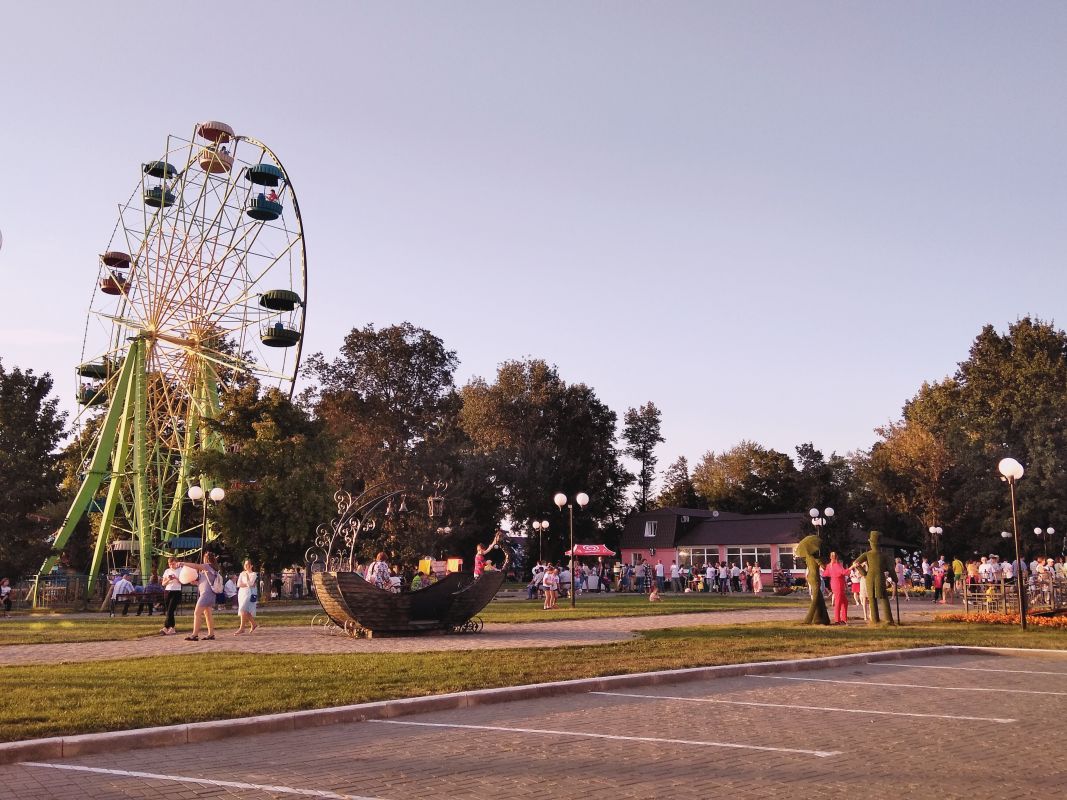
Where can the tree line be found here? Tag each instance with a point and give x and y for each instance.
(386, 410)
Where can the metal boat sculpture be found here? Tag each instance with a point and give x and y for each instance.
(451, 604)
(360, 608)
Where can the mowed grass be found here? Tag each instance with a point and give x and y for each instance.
(33, 629)
(51, 700)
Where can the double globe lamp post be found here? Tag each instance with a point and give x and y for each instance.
(582, 499)
(820, 519)
(1045, 535)
(196, 494)
(540, 527)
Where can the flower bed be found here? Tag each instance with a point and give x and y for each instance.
(1037, 620)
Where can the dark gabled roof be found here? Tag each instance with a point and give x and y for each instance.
(743, 529)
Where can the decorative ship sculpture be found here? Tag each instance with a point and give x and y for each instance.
(359, 608)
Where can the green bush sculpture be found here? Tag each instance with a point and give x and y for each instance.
(810, 549)
(875, 579)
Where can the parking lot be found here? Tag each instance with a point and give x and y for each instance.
(952, 726)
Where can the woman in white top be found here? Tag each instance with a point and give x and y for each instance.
(247, 596)
(172, 595)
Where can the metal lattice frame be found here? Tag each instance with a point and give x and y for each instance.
(185, 327)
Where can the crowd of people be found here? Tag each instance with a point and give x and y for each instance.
(647, 578)
(238, 591)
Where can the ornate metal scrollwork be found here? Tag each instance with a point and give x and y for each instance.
(335, 545)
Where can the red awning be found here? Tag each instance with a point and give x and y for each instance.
(590, 550)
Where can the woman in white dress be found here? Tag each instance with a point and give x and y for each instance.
(247, 596)
(757, 579)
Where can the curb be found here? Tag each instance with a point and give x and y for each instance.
(191, 733)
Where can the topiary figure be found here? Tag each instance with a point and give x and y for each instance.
(875, 579)
(809, 549)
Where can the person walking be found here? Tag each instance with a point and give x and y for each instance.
(208, 580)
(247, 597)
(172, 595)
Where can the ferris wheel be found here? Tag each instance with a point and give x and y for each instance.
(202, 286)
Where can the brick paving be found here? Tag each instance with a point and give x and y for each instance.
(875, 756)
(289, 639)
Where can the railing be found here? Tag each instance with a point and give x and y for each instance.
(1043, 593)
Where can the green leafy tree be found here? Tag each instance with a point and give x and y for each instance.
(749, 479)
(939, 460)
(274, 470)
(678, 490)
(641, 432)
(30, 429)
(543, 436)
(389, 401)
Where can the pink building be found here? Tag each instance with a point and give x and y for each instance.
(695, 537)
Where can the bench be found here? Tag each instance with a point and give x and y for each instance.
(151, 599)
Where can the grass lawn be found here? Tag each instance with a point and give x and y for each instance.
(25, 629)
(112, 695)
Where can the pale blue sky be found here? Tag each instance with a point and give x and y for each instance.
(774, 219)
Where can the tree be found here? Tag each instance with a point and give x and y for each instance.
(384, 398)
(542, 436)
(390, 403)
(30, 429)
(749, 479)
(641, 433)
(1007, 398)
(678, 490)
(274, 470)
(833, 483)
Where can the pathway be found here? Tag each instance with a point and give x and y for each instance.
(304, 639)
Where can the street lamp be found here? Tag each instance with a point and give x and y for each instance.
(582, 499)
(1012, 470)
(935, 532)
(540, 527)
(196, 494)
(1045, 536)
(818, 520)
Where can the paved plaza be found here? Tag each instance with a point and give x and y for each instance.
(946, 727)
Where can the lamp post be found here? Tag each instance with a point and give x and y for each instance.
(935, 532)
(1012, 470)
(1045, 535)
(820, 519)
(540, 527)
(196, 494)
(582, 499)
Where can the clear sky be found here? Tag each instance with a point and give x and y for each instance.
(773, 219)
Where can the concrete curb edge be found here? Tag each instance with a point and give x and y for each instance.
(188, 733)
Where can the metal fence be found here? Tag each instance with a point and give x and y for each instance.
(1043, 593)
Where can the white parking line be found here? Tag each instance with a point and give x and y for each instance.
(805, 708)
(906, 685)
(732, 745)
(122, 773)
(971, 669)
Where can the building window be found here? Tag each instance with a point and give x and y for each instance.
(650, 529)
(787, 557)
(743, 556)
(697, 557)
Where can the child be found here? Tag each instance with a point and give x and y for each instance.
(653, 596)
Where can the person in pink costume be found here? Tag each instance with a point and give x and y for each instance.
(838, 573)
